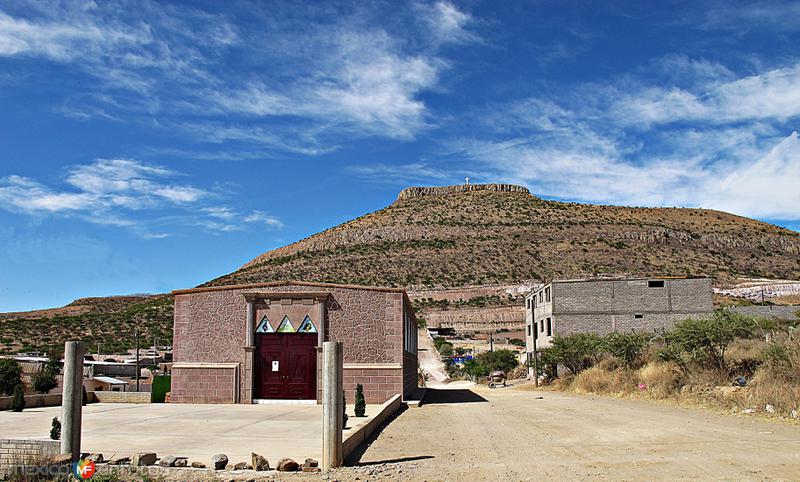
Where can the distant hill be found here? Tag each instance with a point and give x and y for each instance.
(110, 322)
(467, 253)
(456, 236)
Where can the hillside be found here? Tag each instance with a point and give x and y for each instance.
(109, 321)
(472, 235)
(468, 254)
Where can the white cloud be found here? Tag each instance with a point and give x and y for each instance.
(113, 191)
(405, 174)
(291, 87)
(447, 22)
(764, 187)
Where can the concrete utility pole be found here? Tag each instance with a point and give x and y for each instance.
(71, 399)
(137, 360)
(332, 404)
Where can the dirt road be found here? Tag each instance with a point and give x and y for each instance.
(511, 434)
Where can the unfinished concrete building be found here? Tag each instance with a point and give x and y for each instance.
(605, 305)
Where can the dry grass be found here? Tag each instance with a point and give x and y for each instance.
(598, 380)
(662, 379)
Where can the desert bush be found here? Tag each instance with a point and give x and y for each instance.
(577, 351)
(662, 379)
(609, 364)
(597, 380)
(10, 376)
(706, 340)
(782, 362)
(628, 347)
(490, 361)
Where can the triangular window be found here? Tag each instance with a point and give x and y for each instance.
(264, 326)
(307, 326)
(285, 326)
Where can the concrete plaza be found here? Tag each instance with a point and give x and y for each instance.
(185, 430)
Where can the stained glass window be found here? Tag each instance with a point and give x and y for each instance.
(285, 326)
(264, 326)
(307, 326)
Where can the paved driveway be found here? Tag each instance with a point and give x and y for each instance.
(194, 431)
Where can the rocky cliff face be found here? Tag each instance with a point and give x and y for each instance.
(414, 192)
(469, 236)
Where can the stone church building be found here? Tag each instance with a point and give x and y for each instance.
(263, 342)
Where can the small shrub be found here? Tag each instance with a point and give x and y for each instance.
(576, 351)
(18, 399)
(627, 347)
(55, 429)
(361, 405)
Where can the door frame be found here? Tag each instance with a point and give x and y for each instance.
(259, 368)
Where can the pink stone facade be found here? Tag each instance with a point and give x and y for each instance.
(213, 362)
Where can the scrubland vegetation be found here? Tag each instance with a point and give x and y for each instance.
(727, 361)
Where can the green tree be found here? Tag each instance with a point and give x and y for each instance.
(361, 405)
(45, 379)
(446, 349)
(707, 339)
(499, 360)
(628, 347)
(10, 376)
(576, 351)
(18, 399)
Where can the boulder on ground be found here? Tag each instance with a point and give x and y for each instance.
(168, 461)
(96, 458)
(181, 463)
(259, 462)
(287, 465)
(144, 459)
(311, 463)
(61, 459)
(242, 466)
(198, 465)
(120, 461)
(220, 461)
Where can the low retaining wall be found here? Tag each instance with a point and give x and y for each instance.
(361, 434)
(31, 401)
(777, 311)
(17, 452)
(122, 397)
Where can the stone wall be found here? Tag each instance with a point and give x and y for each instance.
(490, 318)
(789, 313)
(122, 397)
(381, 382)
(16, 452)
(414, 192)
(32, 401)
(603, 324)
(603, 306)
(210, 327)
(629, 296)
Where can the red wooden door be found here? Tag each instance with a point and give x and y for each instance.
(286, 366)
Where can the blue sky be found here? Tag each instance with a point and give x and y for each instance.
(149, 146)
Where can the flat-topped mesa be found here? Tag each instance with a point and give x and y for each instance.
(414, 192)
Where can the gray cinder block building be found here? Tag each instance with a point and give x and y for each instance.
(605, 305)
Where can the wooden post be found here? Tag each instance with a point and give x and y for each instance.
(332, 404)
(72, 398)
